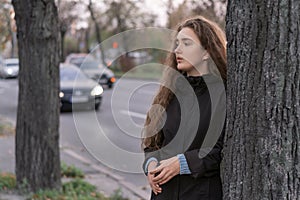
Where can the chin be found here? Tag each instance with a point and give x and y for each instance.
(184, 68)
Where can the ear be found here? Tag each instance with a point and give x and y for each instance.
(206, 56)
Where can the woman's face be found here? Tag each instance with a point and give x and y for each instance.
(189, 53)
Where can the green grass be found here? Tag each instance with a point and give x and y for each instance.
(118, 195)
(6, 128)
(70, 171)
(76, 189)
(7, 181)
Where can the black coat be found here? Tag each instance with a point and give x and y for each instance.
(184, 132)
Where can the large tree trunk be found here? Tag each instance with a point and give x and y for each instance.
(37, 136)
(262, 145)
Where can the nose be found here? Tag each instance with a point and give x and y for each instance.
(178, 49)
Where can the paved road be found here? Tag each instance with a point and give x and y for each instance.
(111, 134)
(9, 98)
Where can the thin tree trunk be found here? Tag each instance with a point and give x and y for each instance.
(11, 33)
(37, 131)
(98, 34)
(262, 145)
(86, 38)
(9, 25)
(62, 45)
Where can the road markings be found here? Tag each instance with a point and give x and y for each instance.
(133, 114)
(146, 92)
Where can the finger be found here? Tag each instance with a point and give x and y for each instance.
(158, 178)
(154, 186)
(156, 170)
(162, 162)
(166, 178)
(156, 192)
(153, 172)
(156, 189)
(159, 190)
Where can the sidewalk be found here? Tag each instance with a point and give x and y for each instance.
(97, 175)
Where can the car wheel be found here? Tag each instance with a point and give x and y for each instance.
(110, 86)
(97, 106)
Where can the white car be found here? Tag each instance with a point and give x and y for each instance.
(9, 68)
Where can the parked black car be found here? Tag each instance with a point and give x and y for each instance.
(77, 90)
(92, 68)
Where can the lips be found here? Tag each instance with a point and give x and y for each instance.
(179, 59)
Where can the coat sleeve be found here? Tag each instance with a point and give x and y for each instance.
(150, 154)
(207, 165)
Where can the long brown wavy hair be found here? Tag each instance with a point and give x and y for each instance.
(213, 40)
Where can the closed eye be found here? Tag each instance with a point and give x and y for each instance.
(187, 43)
(184, 41)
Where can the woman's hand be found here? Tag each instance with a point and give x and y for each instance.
(155, 187)
(168, 169)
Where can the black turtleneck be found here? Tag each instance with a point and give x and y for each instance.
(191, 96)
(190, 91)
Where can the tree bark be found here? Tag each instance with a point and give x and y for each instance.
(37, 130)
(262, 144)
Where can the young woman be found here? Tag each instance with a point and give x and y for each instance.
(184, 115)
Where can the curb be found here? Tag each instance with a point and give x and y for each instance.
(129, 186)
(11, 197)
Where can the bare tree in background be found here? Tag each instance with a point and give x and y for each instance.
(214, 10)
(7, 28)
(127, 14)
(262, 143)
(124, 15)
(97, 28)
(176, 14)
(37, 129)
(67, 15)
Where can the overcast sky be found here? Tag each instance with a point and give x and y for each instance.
(158, 7)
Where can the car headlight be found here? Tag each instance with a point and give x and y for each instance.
(97, 90)
(61, 94)
(9, 71)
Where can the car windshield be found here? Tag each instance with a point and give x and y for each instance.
(77, 61)
(69, 74)
(12, 64)
(90, 65)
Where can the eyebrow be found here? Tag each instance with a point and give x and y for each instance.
(184, 39)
